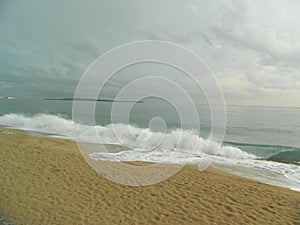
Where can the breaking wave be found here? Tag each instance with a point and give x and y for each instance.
(133, 137)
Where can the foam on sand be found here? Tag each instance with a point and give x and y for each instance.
(46, 181)
(142, 144)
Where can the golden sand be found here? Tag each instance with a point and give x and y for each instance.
(46, 181)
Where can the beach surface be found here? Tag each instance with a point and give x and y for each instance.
(47, 181)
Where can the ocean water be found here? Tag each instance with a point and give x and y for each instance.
(260, 142)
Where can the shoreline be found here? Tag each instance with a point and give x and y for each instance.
(47, 181)
(272, 178)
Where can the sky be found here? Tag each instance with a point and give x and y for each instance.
(253, 47)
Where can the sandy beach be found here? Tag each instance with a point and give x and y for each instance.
(47, 181)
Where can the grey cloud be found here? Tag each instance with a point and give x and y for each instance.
(251, 58)
(87, 46)
(4, 85)
(237, 26)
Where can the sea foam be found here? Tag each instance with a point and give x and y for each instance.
(176, 146)
(186, 142)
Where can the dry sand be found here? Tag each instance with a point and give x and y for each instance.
(46, 181)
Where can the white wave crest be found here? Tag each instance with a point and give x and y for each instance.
(187, 143)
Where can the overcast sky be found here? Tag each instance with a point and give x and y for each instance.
(252, 46)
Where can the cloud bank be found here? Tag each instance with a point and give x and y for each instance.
(252, 46)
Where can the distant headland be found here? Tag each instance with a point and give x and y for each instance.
(90, 99)
(7, 98)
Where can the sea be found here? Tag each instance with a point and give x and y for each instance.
(260, 142)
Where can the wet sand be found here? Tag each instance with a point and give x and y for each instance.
(47, 181)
